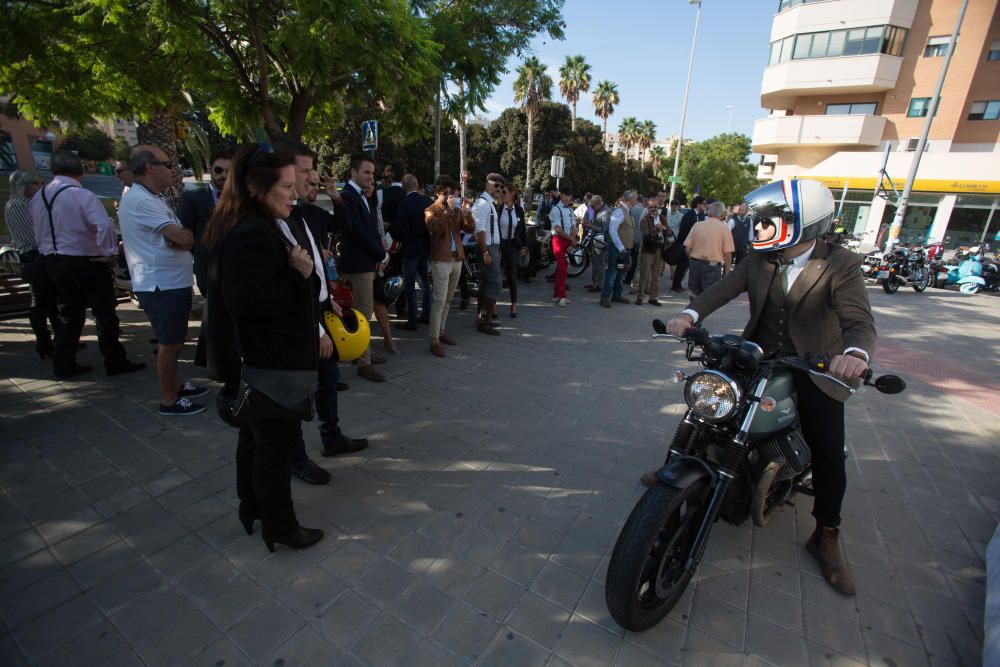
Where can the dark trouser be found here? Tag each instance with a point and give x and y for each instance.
(679, 270)
(396, 264)
(630, 276)
(613, 275)
(823, 427)
(508, 254)
(326, 410)
(262, 473)
(463, 283)
(703, 275)
(43, 302)
(415, 270)
(80, 283)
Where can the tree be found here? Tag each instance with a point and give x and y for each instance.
(656, 156)
(645, 136)
(628, 134)
(532, 87)
(89, 143)
(720, 167)
(574, 79)
(605, 99)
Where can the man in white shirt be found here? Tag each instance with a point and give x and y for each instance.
(77, 239)
(563, 224)
(621, 237)
(158, 252)
(484, 213)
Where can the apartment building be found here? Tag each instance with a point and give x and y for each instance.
(616, 146)
(846, 78)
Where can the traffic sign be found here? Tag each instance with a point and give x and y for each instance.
(673, 179)
(558, 167)
(369, 135)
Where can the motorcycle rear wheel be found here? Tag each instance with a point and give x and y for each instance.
(646, 575)
(923, 279)
(890, 285)
(577, 261)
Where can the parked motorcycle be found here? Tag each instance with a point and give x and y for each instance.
(578, 258)
(870, 264)
(737, 454)
(972, 270)
(904, 266)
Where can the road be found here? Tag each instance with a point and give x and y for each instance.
(476, 529)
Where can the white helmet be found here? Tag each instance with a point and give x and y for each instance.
(788, 212)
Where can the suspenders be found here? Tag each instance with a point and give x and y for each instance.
(48, 209)
(493, 211)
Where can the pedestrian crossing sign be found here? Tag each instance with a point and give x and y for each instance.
(369, 135)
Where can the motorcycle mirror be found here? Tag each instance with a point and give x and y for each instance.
(890, 384)
(659, 327)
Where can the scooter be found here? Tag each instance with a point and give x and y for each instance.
(972, 274)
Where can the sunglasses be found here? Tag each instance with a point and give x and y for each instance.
(219, 170)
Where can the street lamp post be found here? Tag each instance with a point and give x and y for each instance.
(684, 107)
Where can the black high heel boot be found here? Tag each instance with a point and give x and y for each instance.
(247, 517)
(300, 538)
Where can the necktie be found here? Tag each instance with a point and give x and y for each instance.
(783, 269)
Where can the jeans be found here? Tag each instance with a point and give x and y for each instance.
(81, 282)
(415, 270)
(612, 276)
(703, 275)
(326, 410)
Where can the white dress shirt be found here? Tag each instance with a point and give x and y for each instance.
(485, 215)
(508, 223)
(317, 258)
(82, 226)
(617, 218)
(562, 216)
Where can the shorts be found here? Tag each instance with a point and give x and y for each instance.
(168, 312)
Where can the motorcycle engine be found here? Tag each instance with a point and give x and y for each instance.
(789, 448)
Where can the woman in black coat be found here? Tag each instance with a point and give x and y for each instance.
(514, 238)
(260, 284)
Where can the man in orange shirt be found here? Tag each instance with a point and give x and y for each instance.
(709, 248)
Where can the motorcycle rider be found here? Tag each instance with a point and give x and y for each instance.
(806, 296)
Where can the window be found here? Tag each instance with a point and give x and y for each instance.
(994, 53)
(851, 109)
(936, 46)
(853, 42)
(985, 110)
(919, 106)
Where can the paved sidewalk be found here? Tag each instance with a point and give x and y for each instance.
(477, 527)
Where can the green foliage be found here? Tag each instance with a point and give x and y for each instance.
(719, 166)
(605, 99)
(574, 79)
(120, 151)
(89, 142)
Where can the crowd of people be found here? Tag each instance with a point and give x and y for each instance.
(275, 268)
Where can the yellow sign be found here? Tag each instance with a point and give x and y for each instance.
(921, 184)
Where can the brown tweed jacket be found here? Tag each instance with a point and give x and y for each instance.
(829, 304)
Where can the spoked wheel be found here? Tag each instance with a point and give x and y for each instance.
(646, 575)
(921, 280)
(890, 285)
(577, 260)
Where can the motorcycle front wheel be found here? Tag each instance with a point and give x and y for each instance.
(890, 285)
(922, 279)
(646, 575)
(578, 261)
(968, 288)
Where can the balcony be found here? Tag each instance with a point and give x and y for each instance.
(819, 16)
(770, 134)
(783, 82)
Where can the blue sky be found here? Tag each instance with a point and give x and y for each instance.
(643, 46)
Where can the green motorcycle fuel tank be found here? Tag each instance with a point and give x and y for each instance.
(781, 387)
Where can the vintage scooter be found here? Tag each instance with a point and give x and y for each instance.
(971, 275)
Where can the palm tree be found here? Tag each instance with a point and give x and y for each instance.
(657, 155)
(628, 135)
(605, 99)
(645, 136)
(532, 86)
(574, 78)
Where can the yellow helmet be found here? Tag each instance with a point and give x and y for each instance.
(350, 334)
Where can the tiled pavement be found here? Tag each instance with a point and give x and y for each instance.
(477, 528)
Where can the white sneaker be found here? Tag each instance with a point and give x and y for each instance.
(562, 303)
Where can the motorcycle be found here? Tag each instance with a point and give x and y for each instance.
(971, 270)
(904, 266)
(578, 258)
(738, 453)
(473, 267)
(870, 264)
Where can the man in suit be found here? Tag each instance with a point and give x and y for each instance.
(806, 297)
(675, 255)
(362, 252)
(390, 195)
(194, 211)
(410, 230)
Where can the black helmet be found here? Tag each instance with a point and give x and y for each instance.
(388, 289)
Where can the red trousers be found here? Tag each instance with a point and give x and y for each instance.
(559, 248)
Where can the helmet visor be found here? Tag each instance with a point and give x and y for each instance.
(774, 219)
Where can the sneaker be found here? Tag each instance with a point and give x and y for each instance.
(182, 407)
(562, 303)
(310, 473)
(189, 390)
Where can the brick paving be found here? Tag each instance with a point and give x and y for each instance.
(477, 528)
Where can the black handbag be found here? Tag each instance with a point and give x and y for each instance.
(272, 393)
(652, 242)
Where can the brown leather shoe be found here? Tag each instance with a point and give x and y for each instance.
(378, 360)
(484, 327)
(368, 372)
(824, 546)
(649, 477)
(446, 339)
(437, 350)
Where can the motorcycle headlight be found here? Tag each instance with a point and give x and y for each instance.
(712, 395)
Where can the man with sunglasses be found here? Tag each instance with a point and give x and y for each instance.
(195, 209)
(807, 296)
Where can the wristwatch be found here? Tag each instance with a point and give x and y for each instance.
(857, 355)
